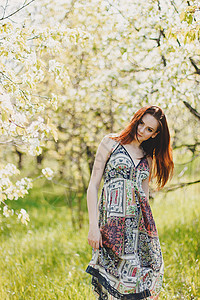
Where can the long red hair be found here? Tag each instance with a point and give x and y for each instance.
(158, 148)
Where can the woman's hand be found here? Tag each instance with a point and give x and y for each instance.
(94, 237)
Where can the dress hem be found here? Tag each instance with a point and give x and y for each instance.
(113, 291)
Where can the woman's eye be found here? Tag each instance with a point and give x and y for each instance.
(150, 130)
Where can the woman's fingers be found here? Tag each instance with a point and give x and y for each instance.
(95, 239)
(93, 244)
(96, 246)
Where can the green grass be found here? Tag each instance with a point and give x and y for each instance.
(47, 259)
(177, 216)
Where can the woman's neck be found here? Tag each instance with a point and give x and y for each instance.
(135, 143)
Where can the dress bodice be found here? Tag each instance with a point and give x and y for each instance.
(121, 165)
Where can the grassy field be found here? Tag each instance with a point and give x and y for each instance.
(47, 259)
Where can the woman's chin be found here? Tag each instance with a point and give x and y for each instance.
(139, 138)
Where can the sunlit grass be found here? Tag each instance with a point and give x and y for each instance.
(47, 259)
(177, 216)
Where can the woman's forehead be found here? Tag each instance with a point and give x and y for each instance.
(150, 121)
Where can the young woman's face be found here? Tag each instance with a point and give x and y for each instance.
(147, 128)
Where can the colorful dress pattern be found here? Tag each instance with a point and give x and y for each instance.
(130, 263)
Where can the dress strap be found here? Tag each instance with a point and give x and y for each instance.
(114, 146)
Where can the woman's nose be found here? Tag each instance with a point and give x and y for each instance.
(141, 129)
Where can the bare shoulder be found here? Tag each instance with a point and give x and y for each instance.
(107, 143)
(102, 155)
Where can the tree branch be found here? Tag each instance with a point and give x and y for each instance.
(192, 110)
(173, 4)
(178, 186)
(4, 8)
(187, 162)
(119, 11)
(189, 146)
(13, 13)
(195, 66)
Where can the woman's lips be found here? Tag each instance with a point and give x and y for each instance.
(139, 135)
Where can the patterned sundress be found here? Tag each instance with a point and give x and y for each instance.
(130, 263)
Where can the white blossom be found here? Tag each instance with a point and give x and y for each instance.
(7, 212)
(48, 173)
(23, 216)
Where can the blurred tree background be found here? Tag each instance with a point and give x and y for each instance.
(73, 71)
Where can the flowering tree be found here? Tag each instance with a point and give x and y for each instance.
(25, 55)
(78, 69)
(139, 53)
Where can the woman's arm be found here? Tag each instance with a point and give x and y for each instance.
(145, 187)
(102, 154)
(145, 183)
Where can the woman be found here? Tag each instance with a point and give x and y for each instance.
(127, 261)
